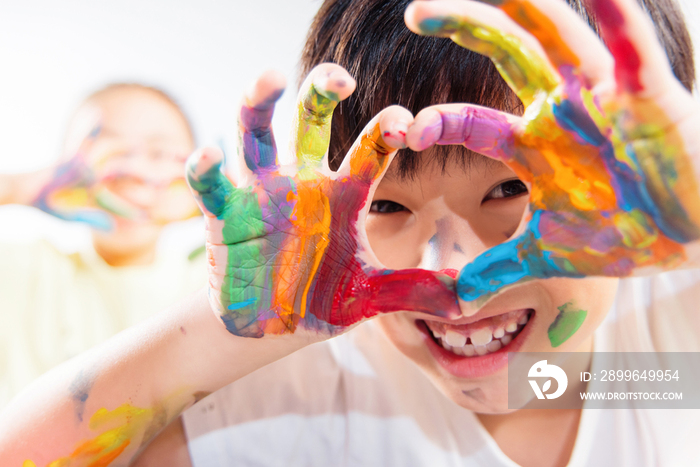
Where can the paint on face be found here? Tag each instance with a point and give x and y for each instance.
(440, 244)
(119, 428)
(608, 195)
(565, 325)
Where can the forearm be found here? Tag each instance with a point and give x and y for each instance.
(23, 188)
(118, 396)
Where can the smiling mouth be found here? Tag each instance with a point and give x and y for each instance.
(483, 337)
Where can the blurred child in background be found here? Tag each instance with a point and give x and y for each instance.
(125, 178)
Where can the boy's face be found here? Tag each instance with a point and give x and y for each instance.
(444, 219)
(138, 156)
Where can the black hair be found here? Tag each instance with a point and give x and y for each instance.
(392, 65)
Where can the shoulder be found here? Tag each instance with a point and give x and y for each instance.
(22, 261)
(656, 313)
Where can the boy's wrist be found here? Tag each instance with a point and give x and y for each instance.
(226, 357)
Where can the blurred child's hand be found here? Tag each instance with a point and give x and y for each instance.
(608, 144)
(286, 243)
(69, 194)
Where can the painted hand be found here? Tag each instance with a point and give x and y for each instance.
(70, 194)
(608, 143)
(286, 243)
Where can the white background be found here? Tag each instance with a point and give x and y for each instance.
(203, 52)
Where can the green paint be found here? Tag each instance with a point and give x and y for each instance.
(523, 69)
(565, 324)
(111, 203)
(314, 126)
(196, 252)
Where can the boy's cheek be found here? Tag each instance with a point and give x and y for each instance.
(578, 308)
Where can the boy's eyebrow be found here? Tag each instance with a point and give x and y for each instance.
(468, 160)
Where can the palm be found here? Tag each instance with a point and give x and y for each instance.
(287, 246)
(612, 188)
(71, 195)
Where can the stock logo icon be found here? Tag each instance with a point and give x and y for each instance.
(542, 370)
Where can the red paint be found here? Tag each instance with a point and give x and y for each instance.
(627, 60)
(453, 273)
(343, 292)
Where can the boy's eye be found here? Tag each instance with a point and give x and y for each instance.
(507, 190)
(385, 207)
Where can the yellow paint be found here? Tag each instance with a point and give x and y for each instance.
(122, 426)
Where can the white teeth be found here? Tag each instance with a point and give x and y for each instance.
(455, 339)
(493, 346)
(469, 350)
(482, 341)
(481, 337)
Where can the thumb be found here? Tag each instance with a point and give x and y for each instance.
(211, 188)
(510, 263)
(414, 290)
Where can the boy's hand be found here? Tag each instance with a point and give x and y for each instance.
(286, 243)
(608, 143)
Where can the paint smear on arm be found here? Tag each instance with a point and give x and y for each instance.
(121, 426)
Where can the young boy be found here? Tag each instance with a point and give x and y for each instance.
(127, 145)
(290, 264)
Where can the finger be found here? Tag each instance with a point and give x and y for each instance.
(256, 141)
(211, 188)
(488, 31)
(370, 156)
(526, 257)
(95, 218)
(414, 290)
(569, 43)
(323, 89)
(629, 34)
(483, 130)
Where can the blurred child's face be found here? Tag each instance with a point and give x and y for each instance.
(138, 157)
(444, 219)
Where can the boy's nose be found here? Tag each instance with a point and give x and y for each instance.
(453, 245)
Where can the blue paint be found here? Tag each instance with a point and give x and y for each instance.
(509, 263)
(576, 120)
(629, 183)
(433, 25)
(243, 304)
(80, 391)
(213, 186)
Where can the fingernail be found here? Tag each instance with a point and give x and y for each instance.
(395, 136)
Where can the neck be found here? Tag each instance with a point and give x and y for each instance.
(127, 247)
(554, 431)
